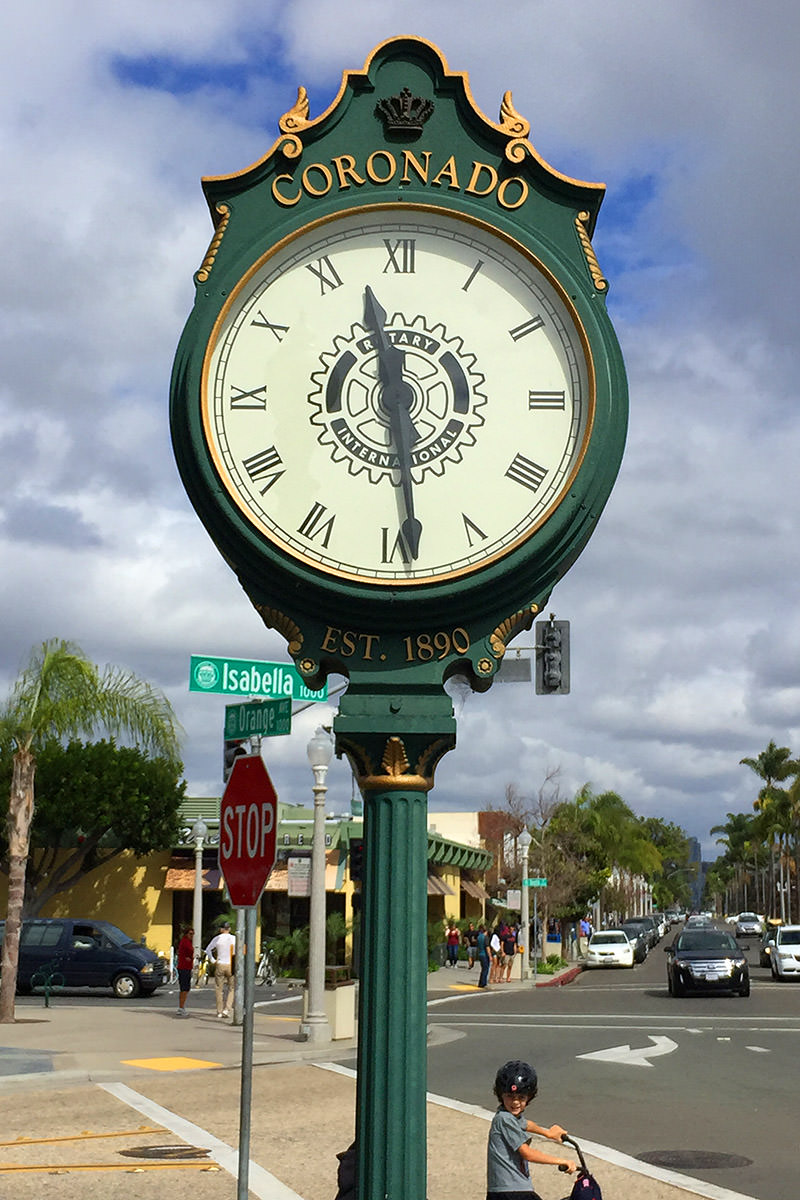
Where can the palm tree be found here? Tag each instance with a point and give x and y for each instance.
(774, 765)
(738, 832)
(62, 694)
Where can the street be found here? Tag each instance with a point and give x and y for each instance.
(687, 1078)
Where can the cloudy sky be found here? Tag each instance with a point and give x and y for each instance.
(684, 607)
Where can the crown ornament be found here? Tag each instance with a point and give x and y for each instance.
(404, 113)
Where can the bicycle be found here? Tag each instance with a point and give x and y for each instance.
(265, 970)
(200, 972)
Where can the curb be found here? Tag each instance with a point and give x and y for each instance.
(559, 980)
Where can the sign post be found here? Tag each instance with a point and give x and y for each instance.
(247, 848)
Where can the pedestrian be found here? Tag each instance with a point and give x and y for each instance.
(185, 964)
(471, 943)
(585, 934)
(220, 950)
(509, 940)
(509, 1151)
(453, 939)
(482, 946)
(496, 951)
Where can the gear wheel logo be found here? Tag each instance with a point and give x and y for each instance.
(350, 417)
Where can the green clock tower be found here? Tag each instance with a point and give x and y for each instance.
(399, 407)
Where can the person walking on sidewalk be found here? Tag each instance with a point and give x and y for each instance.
(185, 964)
(471, 943)
(509, 940)
(496, 953)
(221, 950)
(453, 939)
(509, 1151)
(482, 947)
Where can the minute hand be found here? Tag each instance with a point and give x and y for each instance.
(397, 398)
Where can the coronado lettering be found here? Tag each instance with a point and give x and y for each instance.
(384, 166)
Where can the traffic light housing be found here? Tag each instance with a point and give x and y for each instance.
(231, 751)
(552, 657)
(356, 859)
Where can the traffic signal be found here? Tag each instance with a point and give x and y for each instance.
(356, 859)
(231, 751)
(552, 657)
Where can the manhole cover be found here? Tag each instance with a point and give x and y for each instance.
(166, 1152)
(693, 1160)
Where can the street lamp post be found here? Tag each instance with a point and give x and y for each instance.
(199, 833)
(524, 842)
(315, 1026)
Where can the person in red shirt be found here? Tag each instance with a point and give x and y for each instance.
(185, 964)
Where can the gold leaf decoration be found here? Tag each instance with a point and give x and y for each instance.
(211, 254)
(285, 626)
(395, 760)
(297, 117)
(509, 628)
(581, 224)
(513, 123)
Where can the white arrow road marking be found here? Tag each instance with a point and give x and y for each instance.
(634, 1058)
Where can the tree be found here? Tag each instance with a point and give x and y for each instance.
(61, 694)
(774, 766)
(92, 802)
(737, 835)
(672, 882)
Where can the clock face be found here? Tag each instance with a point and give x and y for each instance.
(399, 395)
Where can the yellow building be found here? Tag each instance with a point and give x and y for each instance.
(151, 898)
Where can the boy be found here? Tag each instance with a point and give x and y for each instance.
(509, 1150)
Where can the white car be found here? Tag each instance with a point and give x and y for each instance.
(784, 958)
(609, 948)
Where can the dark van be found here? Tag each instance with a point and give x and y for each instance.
(85, 953)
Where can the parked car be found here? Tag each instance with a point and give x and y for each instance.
(609, 948)
(649, 926)
(637, 936)
(748, 924)
(85, 953)
(784, 958)
(706, 960)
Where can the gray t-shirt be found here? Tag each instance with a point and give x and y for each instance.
(506, 1170)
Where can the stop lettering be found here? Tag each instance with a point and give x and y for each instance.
(247, 844)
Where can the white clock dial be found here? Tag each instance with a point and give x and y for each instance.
(398, 395)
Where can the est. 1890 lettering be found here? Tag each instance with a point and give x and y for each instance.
(418, 647)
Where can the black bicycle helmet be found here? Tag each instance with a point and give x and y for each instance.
(514, 1077)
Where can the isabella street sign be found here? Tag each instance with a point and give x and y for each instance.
(249, 677)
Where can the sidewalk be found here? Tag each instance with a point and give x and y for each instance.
(164, 1093)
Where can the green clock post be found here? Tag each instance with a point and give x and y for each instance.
(399, 407)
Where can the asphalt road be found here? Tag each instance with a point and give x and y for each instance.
(681, 1078)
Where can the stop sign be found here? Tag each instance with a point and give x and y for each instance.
(247, 820)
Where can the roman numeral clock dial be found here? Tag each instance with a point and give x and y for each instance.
(398, 395)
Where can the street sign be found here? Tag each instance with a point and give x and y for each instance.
(249, 677)
(248, 835)
(534, 883)
(262, 718)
